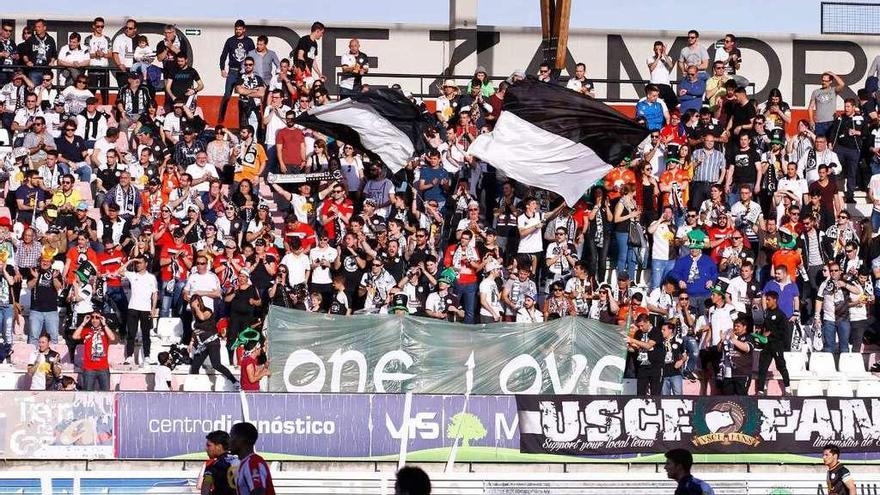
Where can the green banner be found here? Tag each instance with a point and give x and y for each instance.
(311, 352)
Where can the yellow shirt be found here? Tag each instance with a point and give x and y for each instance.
(72, 199)
(250, 164)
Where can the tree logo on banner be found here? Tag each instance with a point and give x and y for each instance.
(725, 422)
(467, 427)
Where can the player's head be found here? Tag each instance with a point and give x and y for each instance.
(216, 443)
(678, 463)
(412, 481)
(242, 438)
(830, 455)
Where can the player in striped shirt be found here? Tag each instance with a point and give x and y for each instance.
(253, 476)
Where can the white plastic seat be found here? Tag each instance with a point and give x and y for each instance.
(9, 381)
(839, 388)
(809, 388)
(21, 354)
(822, 366)
(221, 384)
(170, 330)
(197, 383)
(852, 364)
(868, 388)
(796, 362)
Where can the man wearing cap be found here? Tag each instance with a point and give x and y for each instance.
(443, 304)
(448, 103)
(696, 272)
(91, 124)
(132, 101)
(529, 312)
(14, 95)
(175, 260)
(186, 149)
(81, 222)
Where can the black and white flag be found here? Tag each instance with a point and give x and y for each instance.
(552, 137)
(383, 122)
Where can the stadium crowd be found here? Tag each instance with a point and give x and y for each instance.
(721, 232)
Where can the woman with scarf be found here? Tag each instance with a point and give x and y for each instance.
(465, 260)
(244, 302)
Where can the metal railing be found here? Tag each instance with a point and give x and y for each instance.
(429, 85)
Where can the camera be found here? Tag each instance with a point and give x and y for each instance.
(179, 355)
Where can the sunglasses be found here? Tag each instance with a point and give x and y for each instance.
(130, 28)
(421, 235)
(560, 233)
(338, 191)
(201, 263)
(377, 265)
(557, 290)
(248, 65)
(738, 238)
(833, 270)
(7, 30)
(66, 182)
(691, 215)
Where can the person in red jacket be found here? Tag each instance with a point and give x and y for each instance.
(176, 260)
(465, 260)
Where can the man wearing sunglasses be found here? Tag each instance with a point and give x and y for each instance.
(98, 46)
(123, 51)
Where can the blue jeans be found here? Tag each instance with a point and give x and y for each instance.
(626, 255)
(272, 160)
(40, 321)
(835, 335)
(693, 352)
(671, 385)
(171, 299)
(823, 127)
(231, 81)
(849, 159)
(659, 270)
(468, 295)
(7, 315)
(95, 380)
(117, 295)
(875, 165)
(875, 219)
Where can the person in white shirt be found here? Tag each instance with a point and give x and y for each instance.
(202, 283)
(142, 305)
(123, 50)
(661, 65)
(297, 263)
(321, 258)
(45, 365)
(375, 286)
(874, 199)
(529, 313)
(531, 224)
(98, 46)
(663, 254)
(274, 120)
(579, 82)
(742, 291)
(76, 96)
(73, 57)
(560, 257)
(491, 310)
(162, 373)
(808, 166)
(202, 173)
(792, 186)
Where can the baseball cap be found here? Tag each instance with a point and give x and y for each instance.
(260, 242)
(82, 206)
(178, 232)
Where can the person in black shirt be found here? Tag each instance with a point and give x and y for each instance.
(678, 468)
(206, 340)
(673, 360)
(648, 342)
(735, 368)
(845, 137)
(744, 167)
(243, 304)
(219, 466)
(775, 329)
(184, 82)
(839, 480)
(235, 50)
(307, 49)
(39, 50)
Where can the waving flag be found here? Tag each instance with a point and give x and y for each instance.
(383, 122)
(557, 139)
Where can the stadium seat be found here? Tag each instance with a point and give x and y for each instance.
(809, 388)
(9, 380)
(84, 189)
(21, 354)
(852, 364)
(839, 388)
(61, 349)
(78, 356)
(5, 138)
(133, 381)
(4, 212)
(197, 383)
(94, 213)
(822, 365)
(796, 362)
(868, 388)
(169, 330)
(116, 355)
(221, 384)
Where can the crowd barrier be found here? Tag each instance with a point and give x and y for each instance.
(370, 427)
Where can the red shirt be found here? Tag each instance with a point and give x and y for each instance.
(303, 231)
(109, 262)
(673, 134)
(616, 179)
(246, 383)
(716, 233)
(291, 141)
(169, 250)
(166, 237)
(344, 208)
(466, 273)
(75, 257)
(96, 348)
